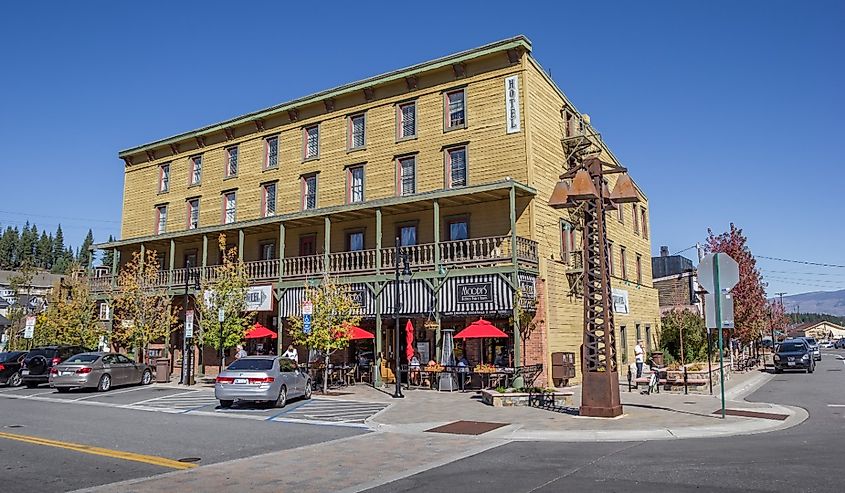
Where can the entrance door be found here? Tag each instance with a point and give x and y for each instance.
(308, 245)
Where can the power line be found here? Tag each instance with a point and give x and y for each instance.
(803, 273)
(68, 218)
(804, 262)
(684, 250)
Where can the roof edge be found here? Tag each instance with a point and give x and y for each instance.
(505, 44)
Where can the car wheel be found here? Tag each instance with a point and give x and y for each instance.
(811, 369)
(105, 383)
(62, 390)
(283, 397)
(14, 380)
(226, 404)
(307, 394)
(146, 378)
(778, 370)
(31, 385)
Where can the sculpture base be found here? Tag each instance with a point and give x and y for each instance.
(600, 395)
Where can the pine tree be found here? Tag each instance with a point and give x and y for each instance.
(82, 255)
(58, 247)
(26, 245)
(108, 256)
(9, 248)
(44, 250)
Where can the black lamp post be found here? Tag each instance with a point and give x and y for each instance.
(405, 278)
(192, 279)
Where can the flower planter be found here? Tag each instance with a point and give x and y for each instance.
(557, 398)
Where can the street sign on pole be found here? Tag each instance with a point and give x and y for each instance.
(221, 315)
(307, 312)
(718, 273)
(29, 328)
(189, 323)
(727, 306)
(307, 308)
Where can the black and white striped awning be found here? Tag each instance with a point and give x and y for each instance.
(484, 294)
(291, 302)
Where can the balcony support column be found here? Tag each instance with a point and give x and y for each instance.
(378, 245)
(115, 258)
(437, 236)
(143, 254)
(204, 256)
(376, 370)
(281, 253)
(327, 237)
(517, 339)
(171, 262)
(241, 245)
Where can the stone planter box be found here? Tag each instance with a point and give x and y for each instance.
(697, 381)
(558, 398)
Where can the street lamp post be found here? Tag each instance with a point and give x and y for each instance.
(187, 342)
(405, 277)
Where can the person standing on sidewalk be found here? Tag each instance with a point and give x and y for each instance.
(639, 357)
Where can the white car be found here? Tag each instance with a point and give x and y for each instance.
(826, 344)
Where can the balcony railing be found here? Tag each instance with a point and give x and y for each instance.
(474, 252)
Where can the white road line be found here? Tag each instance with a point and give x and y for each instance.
(165, 397)
(106, 394)
(40, 393)
(13, 389)
(836, 405)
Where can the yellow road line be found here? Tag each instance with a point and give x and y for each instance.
(87, 449)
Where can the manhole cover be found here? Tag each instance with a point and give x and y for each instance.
(14, 426)
(189, 459)
(835, 369)
(752, 414)
(467, 427)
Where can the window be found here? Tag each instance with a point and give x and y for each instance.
(644, 222)
(567, 241)
(104, 311)
(268, 199)
(455, 111)
(161, 219)
(307, 245)
(164, 178)
(407, 235)
(610, 263)
(624, 260)
(355, 184)
(639, 333)
(311, 142)
(620, 212)
(635, 212)
(232, 166)
(456, 167)
(648, 338)
(196, 170)
(356, 137)
(354, 241)
(623, 336)
(229, 207)
(406, 174)
(271, 151)
(458, 229)
(193, 213)
(639, 267)
(406, 120)
(190, 258)
(268, 251)
(309, 192)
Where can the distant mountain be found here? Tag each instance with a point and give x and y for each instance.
(832, 302)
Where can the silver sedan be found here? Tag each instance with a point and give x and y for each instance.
(261, 379)
(101, 371)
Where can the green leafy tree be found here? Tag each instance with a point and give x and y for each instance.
(71, 315)
(334, 312)
(226, 290)
(142, 310)
(20, 284)
(694, 335)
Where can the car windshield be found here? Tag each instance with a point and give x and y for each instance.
(6, 357)
(811, 340)
(789, 347)
(83, 358)
(258, 364)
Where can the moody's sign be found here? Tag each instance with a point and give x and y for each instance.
(475, 292)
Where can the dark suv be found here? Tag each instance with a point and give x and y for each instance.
(10, 367)
(37, 364)
(794, 354)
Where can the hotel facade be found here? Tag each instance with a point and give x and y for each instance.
(455, 159)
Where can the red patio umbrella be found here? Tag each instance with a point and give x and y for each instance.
(259, 331)
(480, 329)
(409, 341)
(357, 333)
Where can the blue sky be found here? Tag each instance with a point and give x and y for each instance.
(724, 111)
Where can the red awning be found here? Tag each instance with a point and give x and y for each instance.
(480, 329)
(357, 333)
(259, 331)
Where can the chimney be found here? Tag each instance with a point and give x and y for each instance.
(664, 251)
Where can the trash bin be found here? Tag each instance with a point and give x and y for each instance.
(657, 357)
(163, 370)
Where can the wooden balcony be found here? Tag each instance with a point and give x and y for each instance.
(475, 252)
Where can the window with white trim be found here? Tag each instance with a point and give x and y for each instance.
(456, 167)
(354, 241)
(268, 251)
(196, 170)
(357, 137)
(311, 142)
(355, 180)
(455, 109)
(271, 148)
(164, 178)
(407, 180)
(161, 219)
(268, 199)
(193, 213)
(623, 258)
(232, 162)
(309, 192)
(229, 207)
(406, 120)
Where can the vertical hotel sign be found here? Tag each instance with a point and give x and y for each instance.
(512, 103)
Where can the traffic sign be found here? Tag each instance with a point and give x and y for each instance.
(727, 307)
(29, 328)
(728, 272)
(307, 307)
(306, 323)
(189, 323)
(221, 315)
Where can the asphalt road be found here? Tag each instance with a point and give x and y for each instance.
(149, 442)
(808, 457)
